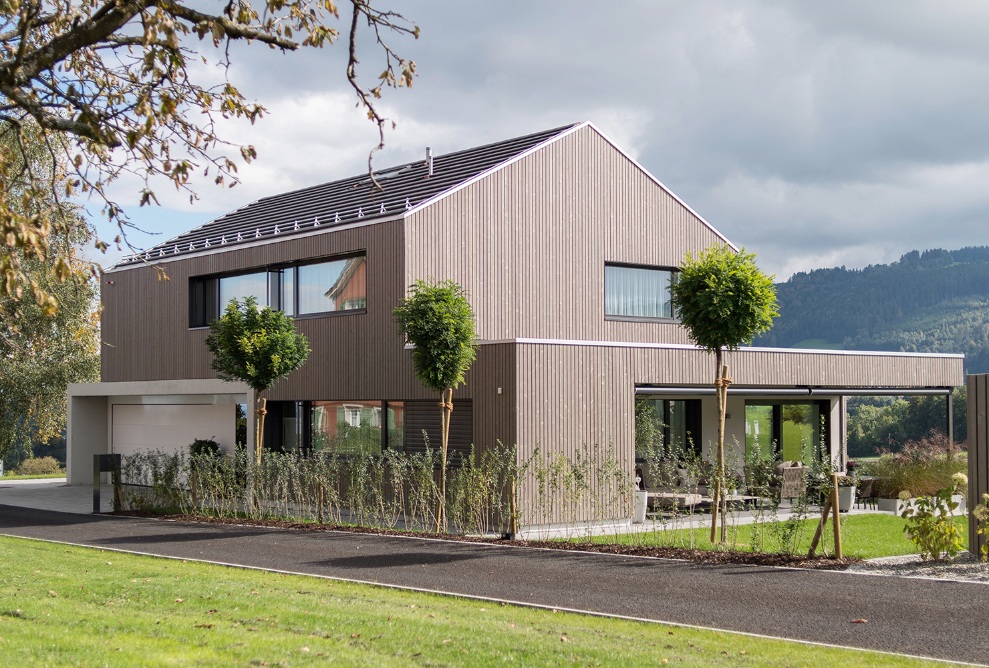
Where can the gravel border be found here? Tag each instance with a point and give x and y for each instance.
(965, 567)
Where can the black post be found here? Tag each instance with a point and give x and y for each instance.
(106, 464)
(97, 470)
(950, 411)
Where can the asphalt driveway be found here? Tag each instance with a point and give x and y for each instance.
(920, 617)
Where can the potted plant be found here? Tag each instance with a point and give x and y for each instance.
(846, 492)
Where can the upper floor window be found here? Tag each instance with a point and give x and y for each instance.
(637, 292)
(302, 289)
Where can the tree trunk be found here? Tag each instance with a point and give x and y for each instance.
(262, 410)
(446, 408)
(719, 503)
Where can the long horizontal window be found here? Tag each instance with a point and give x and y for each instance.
(302, 289)
(637, 292)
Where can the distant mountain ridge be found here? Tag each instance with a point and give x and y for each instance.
(932, 301)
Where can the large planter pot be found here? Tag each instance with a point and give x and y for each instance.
(641, 505)
(846, 498)
(887, 505)
(895, 506)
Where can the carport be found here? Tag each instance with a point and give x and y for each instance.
(167, 415)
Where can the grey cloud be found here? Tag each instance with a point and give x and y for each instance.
(811, 133)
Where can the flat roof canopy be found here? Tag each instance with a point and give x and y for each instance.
(798, 391)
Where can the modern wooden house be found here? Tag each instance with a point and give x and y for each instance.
(566, 247)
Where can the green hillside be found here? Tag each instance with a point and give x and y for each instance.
(934, 301)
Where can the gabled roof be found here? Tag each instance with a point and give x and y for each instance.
(348, 201)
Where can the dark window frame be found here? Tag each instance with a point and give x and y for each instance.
(693, 421)
(204, 290)
(616, 317)
(776, 435)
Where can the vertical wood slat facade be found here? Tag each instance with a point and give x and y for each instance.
(530, 241)
(146, 334)
(978, 453)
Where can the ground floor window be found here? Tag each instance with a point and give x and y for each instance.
(788, 430)
(350, 427)
(365, 427)
(673, 424)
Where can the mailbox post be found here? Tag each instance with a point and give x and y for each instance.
(106, 464)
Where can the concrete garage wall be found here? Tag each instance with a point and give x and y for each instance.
(170, 427)
(87, 436)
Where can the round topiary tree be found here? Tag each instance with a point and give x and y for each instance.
(723, 300)
(258, 346)
(437, 319)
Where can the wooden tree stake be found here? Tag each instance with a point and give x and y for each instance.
(837, 517)
(820, 528)
(829, 505)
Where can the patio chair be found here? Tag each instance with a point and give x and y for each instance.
(865, 495)
(794, 485)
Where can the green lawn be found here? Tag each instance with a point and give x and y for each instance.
(865, 536)
(43, 476)
(62, 605)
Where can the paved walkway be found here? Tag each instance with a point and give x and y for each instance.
(919, 617)
(53, 494)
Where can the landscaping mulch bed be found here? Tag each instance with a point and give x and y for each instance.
(711, 557)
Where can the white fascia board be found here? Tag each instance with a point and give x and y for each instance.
(689, 346)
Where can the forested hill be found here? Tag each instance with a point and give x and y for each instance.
(935, 301)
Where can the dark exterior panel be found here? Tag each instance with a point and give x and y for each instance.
(424, 416)
(978, 452)
(492, 383)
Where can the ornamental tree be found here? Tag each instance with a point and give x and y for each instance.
(437, 319)
(723, 300)
(43, 349)
(258, 346)
(129, 87)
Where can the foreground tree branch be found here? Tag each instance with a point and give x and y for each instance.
(107, 85)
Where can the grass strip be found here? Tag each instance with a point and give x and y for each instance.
(866, 536)
(33, 476)
(66, 605)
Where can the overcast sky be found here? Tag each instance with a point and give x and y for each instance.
(813, 134)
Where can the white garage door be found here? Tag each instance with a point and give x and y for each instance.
(170, 427)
